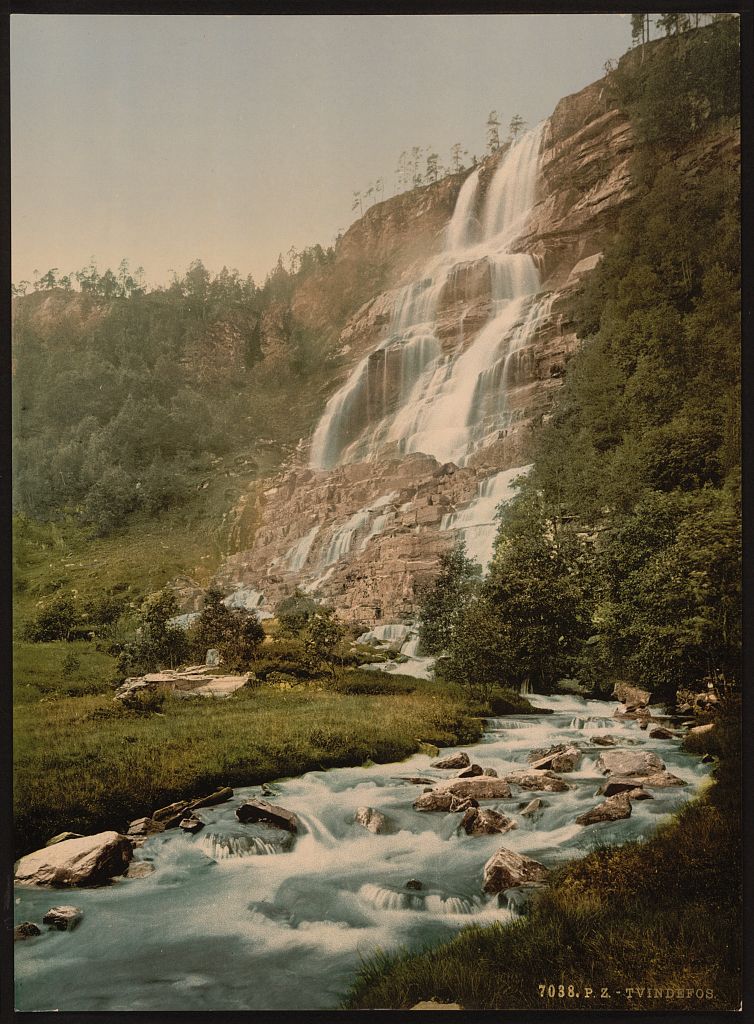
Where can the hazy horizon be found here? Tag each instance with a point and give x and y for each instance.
(164, 139)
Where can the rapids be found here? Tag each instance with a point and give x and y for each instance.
(232, 920)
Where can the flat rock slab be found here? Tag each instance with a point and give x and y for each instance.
(506, 869)
(88, 861)
(629, 762)
(484, 787)
(270, 814)
(613, 809)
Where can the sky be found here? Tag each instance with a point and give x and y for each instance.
(164, 139)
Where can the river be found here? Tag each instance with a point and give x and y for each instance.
(223, 925)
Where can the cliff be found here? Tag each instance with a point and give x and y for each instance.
(366, 533)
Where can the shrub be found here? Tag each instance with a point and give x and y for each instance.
(236, 633)
(293, 612)
(55, 622)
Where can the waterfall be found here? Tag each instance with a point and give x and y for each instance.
(477, 523)
(296, 556)
(411, 395)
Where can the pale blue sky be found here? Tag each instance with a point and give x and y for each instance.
(165, 139)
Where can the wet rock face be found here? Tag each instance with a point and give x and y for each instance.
(506, 869)
(88, 861)
(613, 809)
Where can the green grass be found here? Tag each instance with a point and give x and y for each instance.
(662, 913)
(82, 763)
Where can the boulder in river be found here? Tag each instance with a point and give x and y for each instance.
(88, 861)
(191, 824)
(139, 869)
(661, 733)
(535, 779)
(483, 787)
(490, 772)
(479, 821)
(506, 869)
(534, 808)
(172, 814)
(414, 884)
(371, 819)
(470, 772)
(660, 780)
(629, 762)
(270, 814)
(25, 930)
(612, 809)
(459, 760)
(605, 740)
(443, 800)
(559, 759)
(63, 919)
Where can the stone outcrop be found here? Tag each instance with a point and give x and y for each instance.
(613, 809)
(371, 819)
(269, 814)
(506, 869)
(88, 861)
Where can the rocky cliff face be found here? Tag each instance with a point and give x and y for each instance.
(364, 525)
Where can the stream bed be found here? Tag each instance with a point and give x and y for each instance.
(228, 921)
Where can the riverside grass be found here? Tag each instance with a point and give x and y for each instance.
(84, 764)
(664, 913)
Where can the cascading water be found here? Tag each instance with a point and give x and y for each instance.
(477, 523)
(236, 918)
(411, 395)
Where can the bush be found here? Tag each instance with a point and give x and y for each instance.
(55, 622)
(293, 613)
(236, 633)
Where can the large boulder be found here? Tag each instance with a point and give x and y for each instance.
(88, 861)
(506, 869)
(479, 821)
(605, 740)
(270, 814)
(629, 762)
(459, 760)
(483, 787)
(614, 808)
(534, 779)
(635, 695)
(371, 819)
